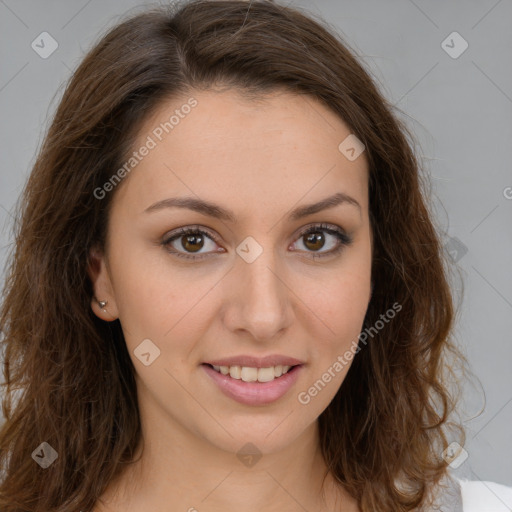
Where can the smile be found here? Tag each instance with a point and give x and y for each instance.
(250, 374)
(243, 384)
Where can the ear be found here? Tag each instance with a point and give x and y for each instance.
(102, 286)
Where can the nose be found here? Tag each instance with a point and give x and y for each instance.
(260, 302)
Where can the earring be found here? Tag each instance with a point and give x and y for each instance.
(102, 303)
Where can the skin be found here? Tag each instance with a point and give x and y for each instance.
(260, 159)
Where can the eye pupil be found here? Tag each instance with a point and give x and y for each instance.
(192, 240)
(317, 239)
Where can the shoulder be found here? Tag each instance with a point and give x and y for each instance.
(480, 496)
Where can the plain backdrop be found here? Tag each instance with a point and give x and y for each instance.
(456, 99)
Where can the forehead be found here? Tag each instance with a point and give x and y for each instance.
(221, 145)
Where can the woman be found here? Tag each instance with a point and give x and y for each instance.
(227, 291)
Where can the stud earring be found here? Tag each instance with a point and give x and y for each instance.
(102, 304)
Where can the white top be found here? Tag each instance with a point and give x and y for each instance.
(480, 496)
(455, 494)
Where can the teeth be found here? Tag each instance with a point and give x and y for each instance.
(265, 374)
(248, 374)
(235, 372)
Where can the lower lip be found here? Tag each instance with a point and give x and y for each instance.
(254, 393)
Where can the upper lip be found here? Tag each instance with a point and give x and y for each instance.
(256, 362)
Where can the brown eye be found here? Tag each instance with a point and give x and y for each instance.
(187, 242)
(314, 241)
(192, 243)
(319, 236)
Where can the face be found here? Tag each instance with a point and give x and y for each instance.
(216, 257)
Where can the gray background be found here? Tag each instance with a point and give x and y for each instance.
(458, 108)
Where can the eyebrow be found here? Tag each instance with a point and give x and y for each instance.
(214, 210)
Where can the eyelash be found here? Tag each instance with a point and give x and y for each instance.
(343, 239)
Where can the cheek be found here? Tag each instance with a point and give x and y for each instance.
(347, 301)
(142, 293)
(159, 301)
(341, 304)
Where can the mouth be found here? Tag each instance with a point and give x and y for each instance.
(253, 374)
(254, 386)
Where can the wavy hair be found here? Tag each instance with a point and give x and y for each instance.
(69, 379)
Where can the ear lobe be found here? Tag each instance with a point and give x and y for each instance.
(102, 286)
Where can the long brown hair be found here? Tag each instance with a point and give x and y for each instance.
(68, 376)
